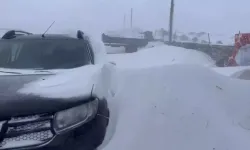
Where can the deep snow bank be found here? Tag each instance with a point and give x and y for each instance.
(161, 55)
(159, 108)
(241, 72)
(166, 99)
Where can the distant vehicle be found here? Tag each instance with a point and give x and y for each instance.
(30, 121)
(241, 53)
(130, 44)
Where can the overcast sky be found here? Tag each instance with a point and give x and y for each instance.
(214, 16)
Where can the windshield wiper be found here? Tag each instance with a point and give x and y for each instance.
(11, 72)
(42, 70)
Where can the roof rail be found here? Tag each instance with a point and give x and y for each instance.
(14, 33)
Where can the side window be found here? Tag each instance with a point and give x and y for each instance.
(15, 50)
(5, 54)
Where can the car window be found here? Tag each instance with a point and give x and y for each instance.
(43, 54)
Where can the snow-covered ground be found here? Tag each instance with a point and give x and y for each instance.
(160, 56)
(115, 50)
(153, 44)
(172, 98)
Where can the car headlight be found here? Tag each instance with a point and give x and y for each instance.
(76, 116)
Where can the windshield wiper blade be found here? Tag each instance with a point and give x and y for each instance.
(11, 72)
(43, 71)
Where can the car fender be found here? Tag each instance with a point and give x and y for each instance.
(105, 86)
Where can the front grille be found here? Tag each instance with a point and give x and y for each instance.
(27, 131)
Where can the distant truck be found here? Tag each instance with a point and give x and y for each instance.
(130, 44)
(241, 53)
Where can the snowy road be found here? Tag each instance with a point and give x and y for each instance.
(171, 98)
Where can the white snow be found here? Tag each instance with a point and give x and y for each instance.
(160, 56)
(179, 107)
(115, 50)
(153, 44)
(231, 71)
(176, 106)
(76, 82)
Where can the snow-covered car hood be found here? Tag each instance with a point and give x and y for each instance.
(22, 94)
(77, 82)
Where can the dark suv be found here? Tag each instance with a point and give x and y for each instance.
(30, 121)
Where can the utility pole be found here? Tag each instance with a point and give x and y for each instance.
(209, 42)
(131, 18)
(171, 21)
(124, 21)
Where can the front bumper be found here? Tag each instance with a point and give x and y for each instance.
(41, 135)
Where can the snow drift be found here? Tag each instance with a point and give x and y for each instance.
(161, 55)
(241, 72)
(178, 107)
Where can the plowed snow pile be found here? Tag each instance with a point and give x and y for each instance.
(242, 72)
(174, 105)
(161, 55)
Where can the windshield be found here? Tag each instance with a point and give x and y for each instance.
(43, 54)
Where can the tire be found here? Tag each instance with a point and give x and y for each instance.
(130, 49)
